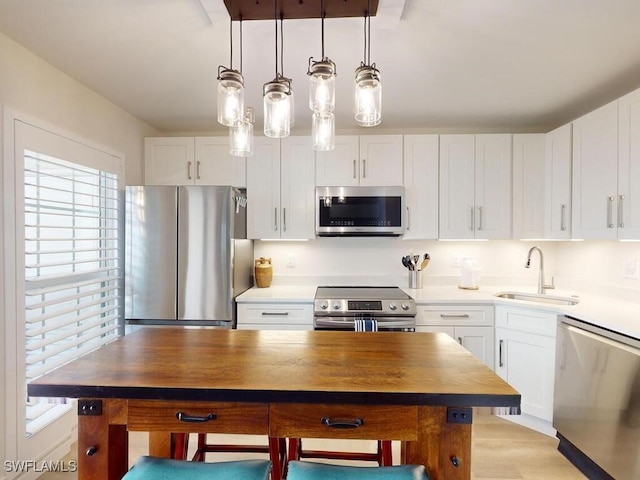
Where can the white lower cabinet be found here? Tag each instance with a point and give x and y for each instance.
(275, 316)
(470, 325)
(525, 351)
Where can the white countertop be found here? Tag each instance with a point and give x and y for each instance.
(616, 315)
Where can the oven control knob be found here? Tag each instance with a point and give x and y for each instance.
(392, 306)
(324, 305)
(337, 305)
(405, 306)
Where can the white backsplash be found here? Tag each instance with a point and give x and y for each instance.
(586, 266)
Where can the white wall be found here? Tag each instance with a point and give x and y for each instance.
(378, 261)
(593, 267)
(33, 87)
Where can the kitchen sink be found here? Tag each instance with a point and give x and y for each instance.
(539, 297)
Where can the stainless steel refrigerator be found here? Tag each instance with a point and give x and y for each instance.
(186, 255)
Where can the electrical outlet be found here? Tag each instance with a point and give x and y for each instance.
(455, 261)
(291, 261)
(630, 268)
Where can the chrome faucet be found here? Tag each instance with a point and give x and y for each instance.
(541, 286)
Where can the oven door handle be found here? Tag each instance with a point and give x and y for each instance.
(349, 322)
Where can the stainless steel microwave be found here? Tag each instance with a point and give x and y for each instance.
(359, 211)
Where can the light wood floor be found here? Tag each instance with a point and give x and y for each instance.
(502, 450)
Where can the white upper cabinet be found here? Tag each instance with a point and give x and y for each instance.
(280, 189)
(475, 186)
(421, 186)
(595, 174)
(169, 161)
(557, 185)
(528, 186)
(374, 160)
(215, 165)
(191, 161)
(629, 166)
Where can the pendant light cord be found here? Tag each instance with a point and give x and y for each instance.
(240, 43)
(281, 44)
(275, 19)
(231, 34)
(322, 13)
(369, 34)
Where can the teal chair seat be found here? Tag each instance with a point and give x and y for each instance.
(153, 468)
(319, 471)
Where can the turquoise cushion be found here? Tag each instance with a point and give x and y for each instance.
(319, 471)
(153, 468)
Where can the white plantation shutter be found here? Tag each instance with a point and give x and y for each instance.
(71, 269)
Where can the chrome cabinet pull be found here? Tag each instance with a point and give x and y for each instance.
(454, 315)
(274, 314)
(275, 219)
(500, 344)
(342, 424)
(364, 168)
(198, 169)
(354, 168)
(472, 215)
(620, 211)
(479, 218)
(183, 417)
(609, 212)
(284, 219)
(408, 219)
(563, 209)
(189, 170)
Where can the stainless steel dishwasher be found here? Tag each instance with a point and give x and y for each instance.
(597, 400)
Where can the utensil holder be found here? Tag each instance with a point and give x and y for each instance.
(415, 279)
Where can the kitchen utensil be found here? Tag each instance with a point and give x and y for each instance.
(424, 263)
(405, 262)
(416, 259)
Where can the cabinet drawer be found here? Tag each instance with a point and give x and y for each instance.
(527, 320)
(160, 416)
(288, 314)
(378, 422)
(454, 315)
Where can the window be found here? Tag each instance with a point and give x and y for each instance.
(71, 268)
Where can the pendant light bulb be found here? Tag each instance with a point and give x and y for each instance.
(230, 96)
(241, 135)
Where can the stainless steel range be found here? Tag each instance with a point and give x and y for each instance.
(364, 309)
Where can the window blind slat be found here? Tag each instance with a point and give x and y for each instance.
(53, 313)
(98, 258)
(70, 286)
(110, 289)
(53, 277)
(63, 334)
(61, 323)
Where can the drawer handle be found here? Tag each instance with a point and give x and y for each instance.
(454, 315)
(183, 417)
(274, 314)
(343, 424)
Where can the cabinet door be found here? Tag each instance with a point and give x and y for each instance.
(263, 189)
(526, 362)
(297, 195)
(215, 165)
(528, 186)
(557, 185)
(420, 165)
(479, 341)
(628, 217)
(339, 167)
(493, 187)
(595, 174)
(169, 161)
(381, 160)
(457, 186)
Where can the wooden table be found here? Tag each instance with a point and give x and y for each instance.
(416, 387)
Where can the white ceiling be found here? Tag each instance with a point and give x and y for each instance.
(495, 64)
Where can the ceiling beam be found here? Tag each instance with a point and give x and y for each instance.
(296, 9)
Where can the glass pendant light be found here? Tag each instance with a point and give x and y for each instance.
(230, 90)
(323, 131)
(367, 105)
(277, 99)
(322, 74)
(241, 135)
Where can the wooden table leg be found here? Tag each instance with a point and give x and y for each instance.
(103, 442)
(443, 448)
